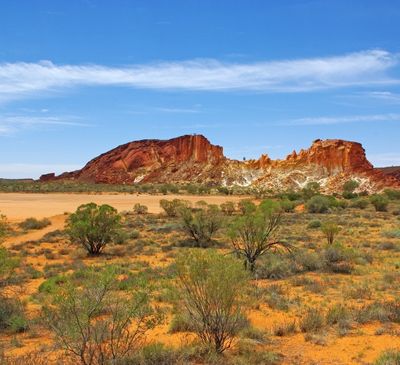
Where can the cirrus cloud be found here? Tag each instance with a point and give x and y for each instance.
(19, 80)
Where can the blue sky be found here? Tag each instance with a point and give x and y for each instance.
(79, 77)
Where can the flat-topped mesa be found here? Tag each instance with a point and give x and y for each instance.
(147, 160)
(334, 155)
(193, 159)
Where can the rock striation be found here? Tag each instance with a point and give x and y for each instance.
(193, 159)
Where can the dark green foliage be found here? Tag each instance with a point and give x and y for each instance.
(95, 323)
(254, 234)
(202, 224)
(93, 226)
(388, 357)
(140, 209)
(246, 206)
(287, 205)
(350, 185)
(33, 223)
(380, 202)
(7, 266)
(4, 226)
(338, 259)
(311, 189)
(318, 204)
(359, 203)
(314, 224)
(392, 194)
(12, 316)
(173, 207)
(228, 208)
(312, 320)
(212, 288)
(330, 230)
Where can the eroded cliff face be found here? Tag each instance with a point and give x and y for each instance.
(181, 159)
(193, 159)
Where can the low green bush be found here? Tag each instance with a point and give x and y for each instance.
(312, 321)
(33, 223)
(380, 202)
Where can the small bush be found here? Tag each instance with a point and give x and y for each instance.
(330, 230)
(388, 357)
(380, 202)
(287, 205)
(140, 209)
(33, 223)
(359, 203)
(201, 225)
(12, 316)
(314, 224)
(228, 208)
(94, 226)
(173, 207)
(212, 291)
(338, 259)
(285, 329)
(392, 194)
(312, 321)
(318, 204)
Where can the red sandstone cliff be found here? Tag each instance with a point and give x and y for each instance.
(193, 159)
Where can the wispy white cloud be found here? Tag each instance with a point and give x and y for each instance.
(387, 96)
(24, 170)
(13, 123)
(19, 80)
(378, 118)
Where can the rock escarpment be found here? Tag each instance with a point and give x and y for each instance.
(193, 159)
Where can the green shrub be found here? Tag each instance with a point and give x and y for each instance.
(388, 357)
(93, 227)
(348, 189)
(33, 223)
(272, 266)
(310, 190)
(212, 290)
(359, 203)
(337, 314)
(307, 261)
(51, 285)
(7, 265)
(94, 322)
(12, 316)
(246, 206)
(392, 194)
(202, 225)
(314, 224)
(330, 230)
(173, 207)
(338, 259)
(140, 209)
(287, 205)
(312, 320)
(181, 322)
(4, 226)
(255, 233)
(318, 204)
(228, 208)
(285, 328)
(380, 202)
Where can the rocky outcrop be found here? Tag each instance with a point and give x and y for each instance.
(193, 159)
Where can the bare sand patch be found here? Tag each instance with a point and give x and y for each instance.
(18, 206)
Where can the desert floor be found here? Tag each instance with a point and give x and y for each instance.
(18, 206)
(279, 298)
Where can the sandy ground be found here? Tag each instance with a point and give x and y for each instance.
(18, 206)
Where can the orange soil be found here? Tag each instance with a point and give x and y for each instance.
(18, 206)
